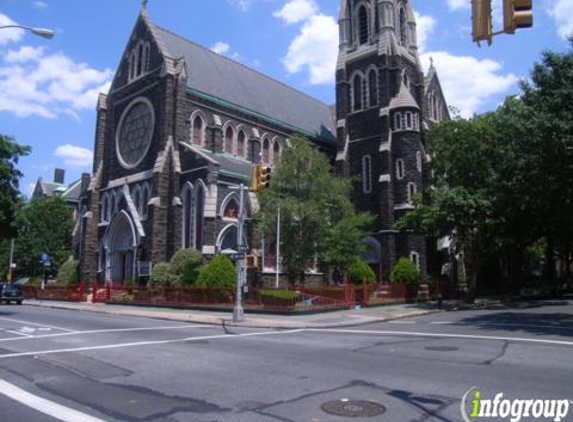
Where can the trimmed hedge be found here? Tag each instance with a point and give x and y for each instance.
(280, 294)
(220, 272)
(186, 265)
(68, 273)
(360, 271)
(405, 272)
(162, 276)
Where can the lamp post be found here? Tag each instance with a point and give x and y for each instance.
(41, 32)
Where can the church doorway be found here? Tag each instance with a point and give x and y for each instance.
(373, 255)
(122, 243)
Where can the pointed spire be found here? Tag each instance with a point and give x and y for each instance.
(144, 4)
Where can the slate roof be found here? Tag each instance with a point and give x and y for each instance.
(70, 193)
(404, 99)
(218, 76)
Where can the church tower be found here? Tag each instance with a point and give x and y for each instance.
(380, 89)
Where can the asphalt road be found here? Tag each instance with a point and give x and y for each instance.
(84, 367)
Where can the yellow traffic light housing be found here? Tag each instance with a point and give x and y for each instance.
(261, 177)
(517, 14)
(482, 21)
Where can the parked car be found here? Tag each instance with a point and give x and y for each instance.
(10, 292)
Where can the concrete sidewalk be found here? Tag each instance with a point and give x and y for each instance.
(343, 318)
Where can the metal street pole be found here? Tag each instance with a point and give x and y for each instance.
(41, 32)
(238, 312)
(11, 261)
(278, 246)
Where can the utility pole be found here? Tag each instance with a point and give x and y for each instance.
(238, 311)
(11, 261)
(278, 246)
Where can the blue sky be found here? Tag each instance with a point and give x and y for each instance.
(48, 89)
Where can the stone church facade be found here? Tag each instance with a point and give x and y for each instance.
(182, 126)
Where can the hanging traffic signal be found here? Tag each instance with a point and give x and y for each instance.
(482, 21)
(517, 14)
(261, 177)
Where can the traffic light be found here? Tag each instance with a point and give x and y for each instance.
(261, 177)
(517, 14)
(482, 21)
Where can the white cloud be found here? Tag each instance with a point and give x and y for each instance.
(11, 34)
(469, 83)
(40, 5)
(245, 4)
(315, 49)
(458, 4)
(296, 11)
(221, 47)
(74, 156)
(224, 49)
(24, 54)
(33, 82)
(425, 27)
(562, 12)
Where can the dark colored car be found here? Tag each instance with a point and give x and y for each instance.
(11, 293)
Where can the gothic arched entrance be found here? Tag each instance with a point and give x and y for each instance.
(373, 255)
(121, 246)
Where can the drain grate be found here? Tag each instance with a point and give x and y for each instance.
(353, 408)
(442, 349)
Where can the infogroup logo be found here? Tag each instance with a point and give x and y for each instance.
(475, 408)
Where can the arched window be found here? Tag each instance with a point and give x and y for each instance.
(367, 174)
(363, 25)
(397, 121)
(276, 152)
(147, 57)
(412, 191)
(139, 69)
(137, 199)
(242, 144)
(415, 257)
(145, 195)
(267, 151)
(419, 161)
(403, 28)
(231, 209)
(409, 124)
(229, 138)
(373, 87)
(357, 93)
(198, 131)
(187, 216)
(199, 213)
(112, 205)
(376, 20)
(229, 239)
(400, 170)
(105, 209)
(406, 80)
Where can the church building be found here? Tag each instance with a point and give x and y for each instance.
(182, 126)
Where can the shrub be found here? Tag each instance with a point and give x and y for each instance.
(405, 272)
(186, 264)
(280, 294)
(122, 297)
(220, 272)
(68, 273)
(162, 276)
(360, 271)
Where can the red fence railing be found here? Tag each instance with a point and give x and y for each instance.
(70, 293)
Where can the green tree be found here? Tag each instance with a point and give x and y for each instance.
(220, 272)
(10, 153)
(185, 264)
(44, 225)
(318, 221)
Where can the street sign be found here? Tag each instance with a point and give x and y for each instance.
(237, 256)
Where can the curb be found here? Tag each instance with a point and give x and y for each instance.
(227, 321)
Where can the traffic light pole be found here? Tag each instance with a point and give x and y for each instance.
(11, 261)
(238, 311)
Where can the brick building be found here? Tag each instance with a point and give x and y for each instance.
(182, 125)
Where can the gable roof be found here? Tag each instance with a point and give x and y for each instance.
(217, 76)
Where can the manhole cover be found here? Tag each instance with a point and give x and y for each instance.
(442, 349)
(353, 408)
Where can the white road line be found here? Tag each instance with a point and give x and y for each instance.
(19, 333)
(47, 407)
(501, 324)
(37, 325)
(442, 322)
(402, 322)
(147, 343)
(111, 330)
(437, 335)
